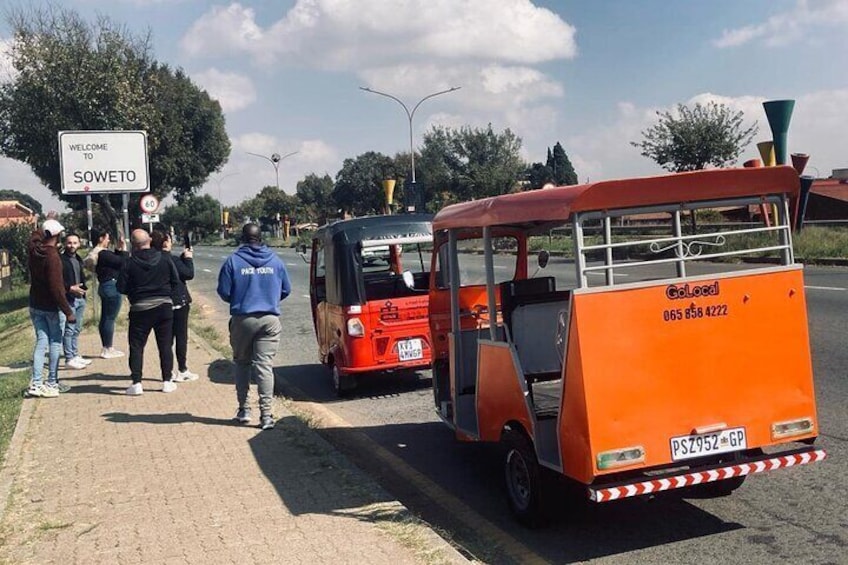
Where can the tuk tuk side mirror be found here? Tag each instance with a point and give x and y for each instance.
(543, 258)
(408, 280)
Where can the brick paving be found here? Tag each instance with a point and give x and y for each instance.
(168, 478)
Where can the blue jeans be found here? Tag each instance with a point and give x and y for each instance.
(110, 305)
(48, 334)
(71, 332)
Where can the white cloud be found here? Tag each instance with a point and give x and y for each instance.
(15, 175)
(232, 90)
(7, 72)
(245, 175)
(818, 127)
(807, 17)
(352, 34)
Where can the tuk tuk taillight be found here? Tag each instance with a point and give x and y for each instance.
(355, 328)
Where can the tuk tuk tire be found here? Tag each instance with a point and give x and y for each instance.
(342, 384)
(523, 479)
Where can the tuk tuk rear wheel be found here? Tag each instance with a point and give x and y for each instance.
(523, 479)
(342, 384)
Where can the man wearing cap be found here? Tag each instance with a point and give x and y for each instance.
(46, 300)
(253, 281)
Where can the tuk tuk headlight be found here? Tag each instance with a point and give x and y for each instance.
(355, 328)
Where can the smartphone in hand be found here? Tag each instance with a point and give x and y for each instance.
(186, 240)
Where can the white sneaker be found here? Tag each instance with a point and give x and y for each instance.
(169, 386)
(110, 353)
(42, 391)
(75, 363)
(135, 390)
(83, 360)
(185, 376)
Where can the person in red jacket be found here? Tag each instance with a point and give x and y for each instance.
(46, 299)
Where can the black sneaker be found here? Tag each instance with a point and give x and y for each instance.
(242, 416)
(267, 423)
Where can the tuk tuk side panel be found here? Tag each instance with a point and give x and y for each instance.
(650, 374)
(499, 395)
(575, 448)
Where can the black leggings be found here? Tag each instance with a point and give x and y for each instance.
(181, 336)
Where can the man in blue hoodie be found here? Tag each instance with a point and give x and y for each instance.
(253, 281)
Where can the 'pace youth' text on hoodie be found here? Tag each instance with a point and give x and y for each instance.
(253, 280)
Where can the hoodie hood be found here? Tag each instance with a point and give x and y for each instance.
(147, 258)
(256, 255)
(37, 248)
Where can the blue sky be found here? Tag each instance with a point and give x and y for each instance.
(591, 75)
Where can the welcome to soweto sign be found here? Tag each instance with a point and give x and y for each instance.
(94, 162)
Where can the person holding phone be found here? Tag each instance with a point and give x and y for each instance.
(184, 263)
(107, 264)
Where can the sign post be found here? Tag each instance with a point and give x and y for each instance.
(104, 162)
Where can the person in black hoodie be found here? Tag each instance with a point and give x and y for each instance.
(184, 263)
(148, 279)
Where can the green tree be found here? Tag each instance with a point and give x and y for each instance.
(197, 214)
(561, 167)
(538, 175)
(469, 163)
(359, 183)
(694, 138)
(316, 197)
(26, 199)
(15, 237)
(76, 75)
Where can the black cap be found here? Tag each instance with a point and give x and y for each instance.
(251, 233)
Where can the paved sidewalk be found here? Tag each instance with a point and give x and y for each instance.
(99, 477)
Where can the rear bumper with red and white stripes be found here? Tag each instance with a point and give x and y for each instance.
(750, 467)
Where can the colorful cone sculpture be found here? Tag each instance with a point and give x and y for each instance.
(779, 112)
(799, 161)
(767, 153)
(803, 198)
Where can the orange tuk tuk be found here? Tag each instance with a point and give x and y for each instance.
(368, 288)
(642, 363)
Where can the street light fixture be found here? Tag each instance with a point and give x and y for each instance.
(221, 202)
(410, 115)
(275, 160)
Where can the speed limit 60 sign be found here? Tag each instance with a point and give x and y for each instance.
(149, 204)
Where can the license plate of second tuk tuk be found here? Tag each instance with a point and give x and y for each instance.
(410, 349)
(722, 441)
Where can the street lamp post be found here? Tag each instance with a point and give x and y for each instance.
(274, 160)
(410, 115)
(221, 203)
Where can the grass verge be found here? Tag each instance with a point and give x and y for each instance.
(17, 347)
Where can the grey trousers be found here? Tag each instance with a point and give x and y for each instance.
(255, 341)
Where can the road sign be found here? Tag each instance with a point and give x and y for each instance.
(148, 204)
(93, 162)
(149, 218)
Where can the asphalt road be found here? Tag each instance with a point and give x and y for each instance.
(788, 516)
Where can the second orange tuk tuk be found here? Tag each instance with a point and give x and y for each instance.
(640, 363)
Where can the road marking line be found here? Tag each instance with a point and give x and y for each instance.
(823, 287)
(291, 264)
(207, 270)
